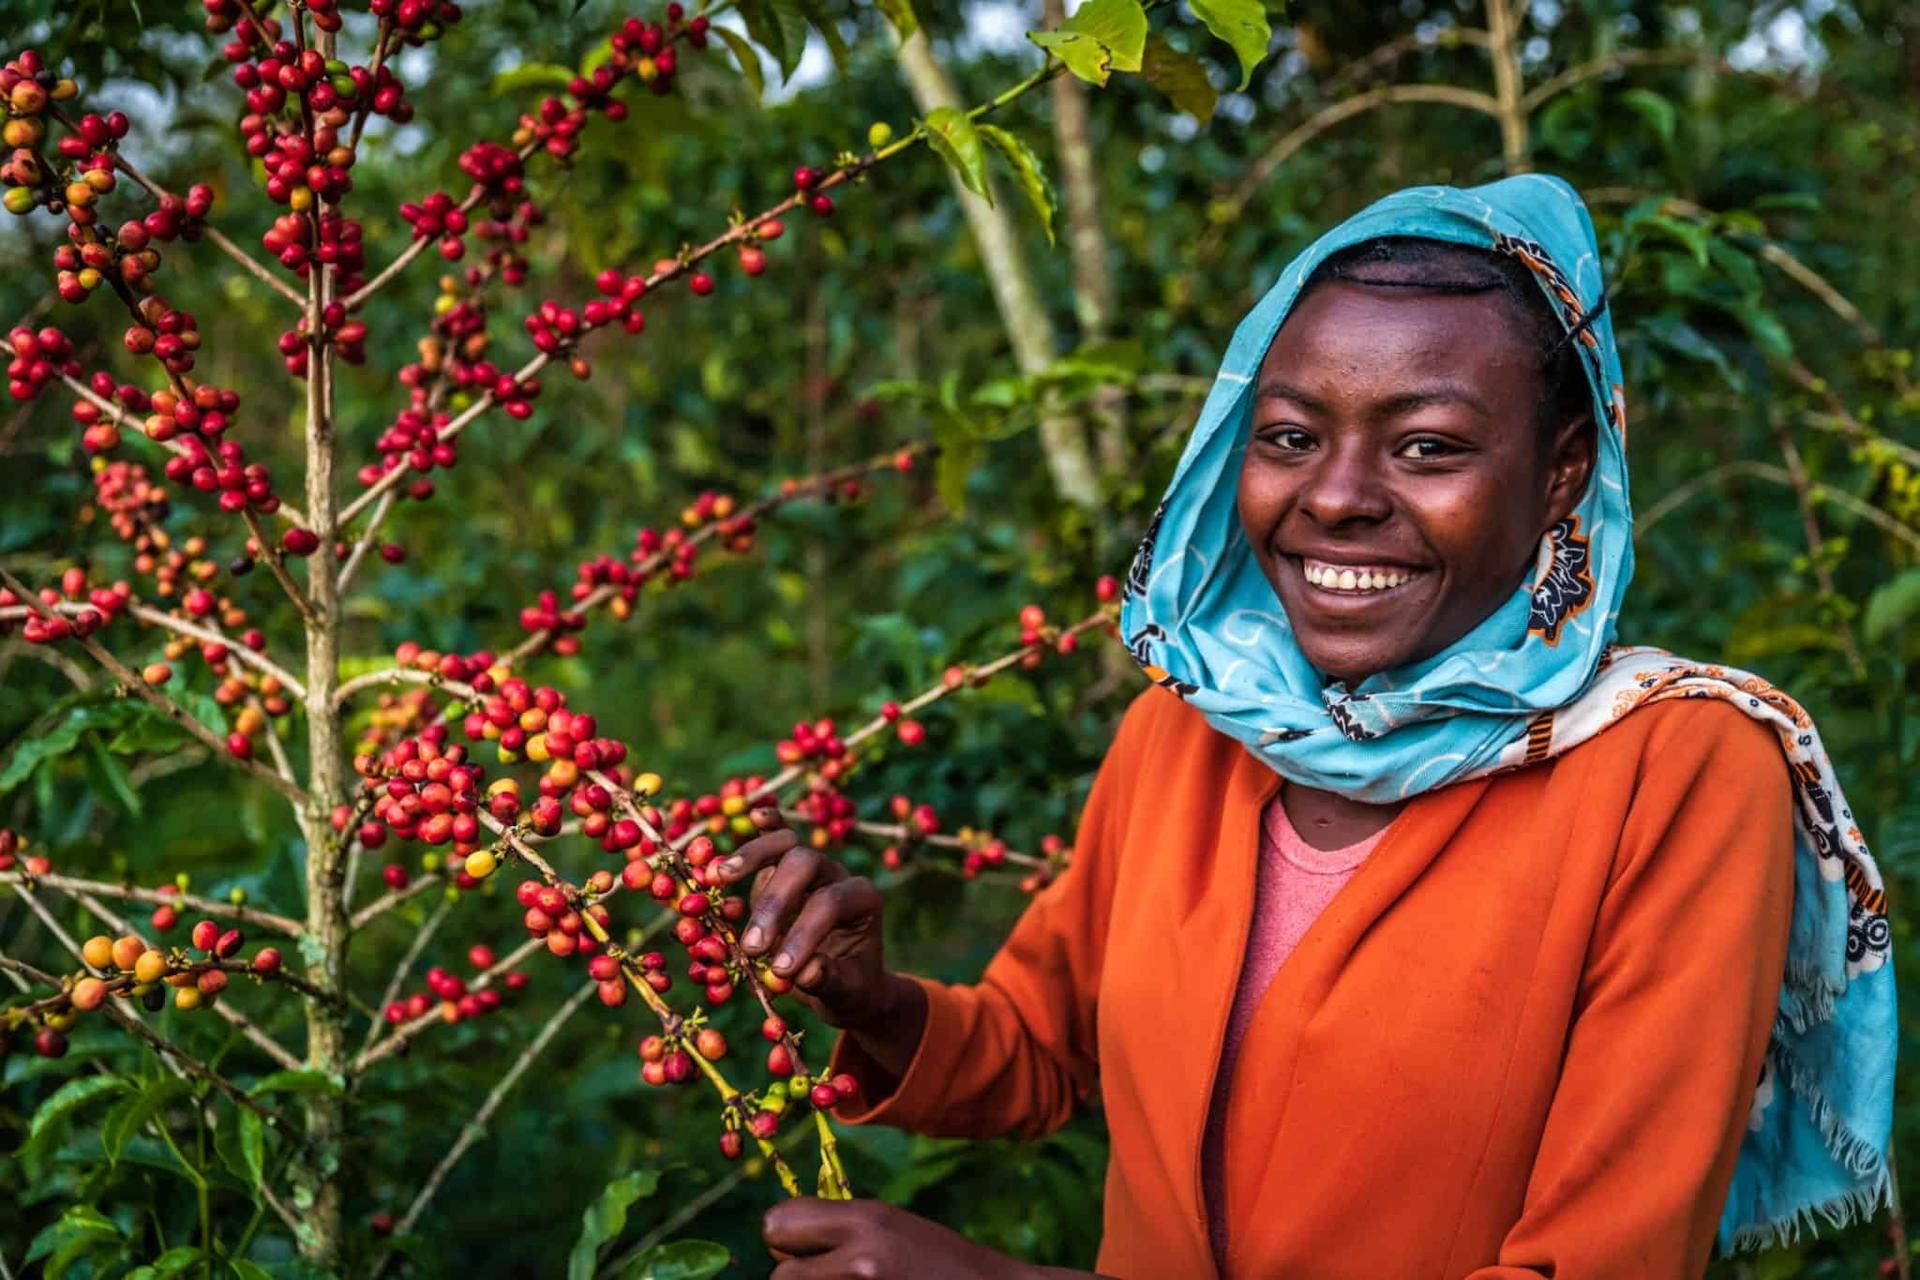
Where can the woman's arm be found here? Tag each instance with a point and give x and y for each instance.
(1675, 1007)
(1011, 1054)
(852, 1239)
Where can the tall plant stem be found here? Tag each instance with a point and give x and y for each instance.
(1503, 25)
(316, 1178)
(1015, 294)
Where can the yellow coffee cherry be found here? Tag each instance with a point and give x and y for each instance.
(481, 863)
(150, 967)
(647, 784)
(98, 952)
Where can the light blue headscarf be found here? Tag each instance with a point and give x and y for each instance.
(1539, 675)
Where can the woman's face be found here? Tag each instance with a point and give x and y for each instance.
(1397, 481)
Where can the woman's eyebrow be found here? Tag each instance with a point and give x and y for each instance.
(1391, 406)
(1280, 389)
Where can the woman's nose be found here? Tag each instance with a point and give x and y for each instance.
(1345, 485)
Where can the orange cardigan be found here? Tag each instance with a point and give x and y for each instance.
(1521, 1042)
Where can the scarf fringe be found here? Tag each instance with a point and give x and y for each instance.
(1859, 1156)
(1840, 1212)
(1808, 995)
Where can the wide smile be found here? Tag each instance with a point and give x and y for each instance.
(1348, 587)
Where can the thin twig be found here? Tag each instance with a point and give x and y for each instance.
(476, 1125)
(173, 710)
(1816, 545)
(253, 268)
(276, 564)
(161, 897)
(421, 936)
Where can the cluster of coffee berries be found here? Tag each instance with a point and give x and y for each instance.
(806, 184)
(817, 743)
(910, 732)
(27, 90)
(130, 255)
(14, 855)
(452, 996)
(428, 791)
(552, 916)
(194, 425)
(56, 614)
(39, 355)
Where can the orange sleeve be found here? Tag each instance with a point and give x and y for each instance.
(1015, 1053)
(1675, 1005)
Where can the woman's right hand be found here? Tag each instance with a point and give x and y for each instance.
(821, 925)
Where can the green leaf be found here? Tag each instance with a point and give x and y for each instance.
(763, 24)
(1676, 335)
(296, 1082)
(532, 75)
(679, 1260)
(1026, 171)
(595, 56)
(900, 14)
(78, 1224)
(1891, 605)
(70, 1097)
(746, 55)
(959, 452)
(1655, 110)
(1767, 331)
(173, 1262)
(240, 1141)
(104, 712)
(1101, 37)
(956, 141)
(246, 1270)
(107, 775)
(606, 1218)
(1180, 76)
(1242, 24)
(1691, 237)
(829, 32)
(127, 1117)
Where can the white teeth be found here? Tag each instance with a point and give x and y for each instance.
(1335, 579)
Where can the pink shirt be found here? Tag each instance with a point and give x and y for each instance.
(1295, 883)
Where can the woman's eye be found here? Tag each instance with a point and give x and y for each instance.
(1287, 439)
(1427, 449)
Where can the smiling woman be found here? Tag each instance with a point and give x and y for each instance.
(1414, 926)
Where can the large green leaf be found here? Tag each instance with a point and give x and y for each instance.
(532, 75)
(1026, 171)
(104, 713)
(128, 1116)
(1891, 606)
(679, 1260)
(1102, 36)
(1242, 24)
(49, 1117)
(1180, 76)
(829, 30)
(173, 1262)
(764, 25)
(1655, 110)
(108, 776)
(606, 1218)
(296, 1081)
(746, 55)
(240, 1141)
(955, 140)
(78, 1230)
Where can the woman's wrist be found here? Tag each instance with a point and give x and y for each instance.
(890, 1029)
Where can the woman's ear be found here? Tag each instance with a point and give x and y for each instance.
(1570, 465)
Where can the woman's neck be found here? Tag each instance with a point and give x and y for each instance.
(1327, 820)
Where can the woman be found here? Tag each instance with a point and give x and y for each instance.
(1385, 959)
